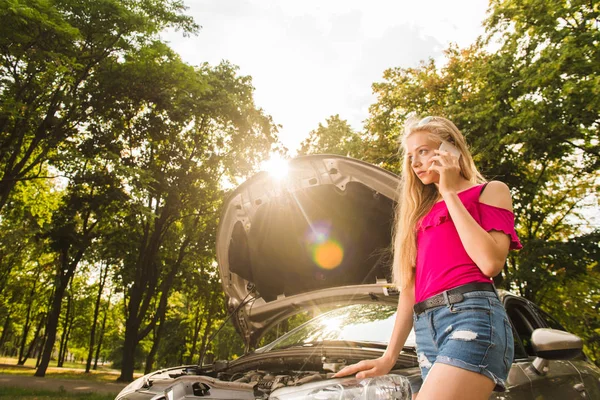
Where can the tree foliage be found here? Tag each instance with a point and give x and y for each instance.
(50, 54)
(140, 142)
(335, 137)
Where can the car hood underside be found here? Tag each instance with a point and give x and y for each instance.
(326, 224)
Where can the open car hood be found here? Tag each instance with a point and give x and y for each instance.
(319, 235)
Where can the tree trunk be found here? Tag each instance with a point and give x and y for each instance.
(51, 328)
(67, 337)
(21, 358)
(197, 325)
(143, 290)
(101, 335)
(129, 345)
(36, 336)
(133, 333)
(6, 187)
(5, 331)
(209, 319)
(157, 336)
(64, 275)
(204, 339)
(40, 350)
(103, 276)
(65, 333)
(24, 334)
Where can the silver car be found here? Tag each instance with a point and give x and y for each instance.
(318, 239)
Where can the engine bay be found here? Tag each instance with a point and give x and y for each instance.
(264, 382)
(288, 375)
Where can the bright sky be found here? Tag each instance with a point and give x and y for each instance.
(311, 59)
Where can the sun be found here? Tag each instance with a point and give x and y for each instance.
(276, 166)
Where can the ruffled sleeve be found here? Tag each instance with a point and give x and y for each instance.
(499, 219)
(439, 214)
(435, 217)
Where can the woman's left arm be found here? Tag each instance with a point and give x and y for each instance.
(487, 249)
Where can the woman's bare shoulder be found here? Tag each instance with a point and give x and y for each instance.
(497, 194)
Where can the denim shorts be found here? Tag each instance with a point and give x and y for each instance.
(474, 334)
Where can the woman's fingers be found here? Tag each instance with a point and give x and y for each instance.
(444, 160)
(435, 167)
(435, 160)
(352, 369)
(368, 373)
(363, 369)
(342, 372)
(444, 157)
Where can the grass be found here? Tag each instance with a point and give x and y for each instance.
(69, 371)
(35, 394)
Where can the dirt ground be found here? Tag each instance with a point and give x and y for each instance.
(70, 385)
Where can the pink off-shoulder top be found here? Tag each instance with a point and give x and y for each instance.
(442, 261)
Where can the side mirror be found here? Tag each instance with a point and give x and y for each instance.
(552, 344)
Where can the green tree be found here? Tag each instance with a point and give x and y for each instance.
(24, 264)
(203, 296)
(50, 51)
(103, 277)
(550, 58)
(92, 198)
(32, 205)
(335, 137)
(181, 130)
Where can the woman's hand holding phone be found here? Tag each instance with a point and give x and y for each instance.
(450, 148)
(446, 164)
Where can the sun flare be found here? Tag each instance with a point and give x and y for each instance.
(276, 166)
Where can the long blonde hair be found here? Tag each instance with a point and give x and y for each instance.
(416, 199)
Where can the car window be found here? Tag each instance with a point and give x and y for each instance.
(287, 325)
(524, 323)
(548, 319)
(371, 323)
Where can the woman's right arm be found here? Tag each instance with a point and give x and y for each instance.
(402, 327)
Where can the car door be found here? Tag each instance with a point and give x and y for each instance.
(560, 380)
(518, 385)
(590, 375)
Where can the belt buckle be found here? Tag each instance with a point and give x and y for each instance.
(446, 298)
(452, 298)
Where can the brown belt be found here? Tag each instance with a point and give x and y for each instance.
(452, 296)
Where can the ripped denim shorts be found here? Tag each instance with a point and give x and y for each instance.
(474, 334)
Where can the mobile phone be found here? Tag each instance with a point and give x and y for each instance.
(450, 148)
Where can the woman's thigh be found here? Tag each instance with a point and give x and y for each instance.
(449, 382)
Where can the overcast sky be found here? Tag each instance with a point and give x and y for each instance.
(311, 59)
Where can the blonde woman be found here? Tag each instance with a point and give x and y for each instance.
(453, 232)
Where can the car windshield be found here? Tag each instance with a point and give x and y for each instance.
(359, 323)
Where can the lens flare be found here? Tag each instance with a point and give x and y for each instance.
(318, 233)
(326, 252)
(328, 255)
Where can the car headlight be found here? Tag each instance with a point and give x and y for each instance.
(388, 387)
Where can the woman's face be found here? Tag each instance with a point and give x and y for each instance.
(419, 150)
